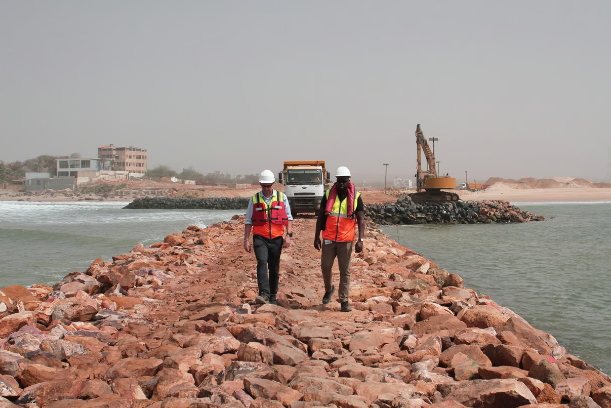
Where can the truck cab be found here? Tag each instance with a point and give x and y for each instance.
(304, 184)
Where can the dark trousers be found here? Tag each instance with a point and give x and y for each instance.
(268, 253)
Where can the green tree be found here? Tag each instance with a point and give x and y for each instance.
(161, 171)
(190, 174)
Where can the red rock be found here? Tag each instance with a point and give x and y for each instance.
(548, 395)
(78, 308)
(530, 357)
(287, 355)
(11, 323)
(46, 392)
(94, 389)
(365, 339)
(174, 239)
(446, 404)
(504, 355)
(482, 316)
(602, 397)
(371, 390)
(309, 385)
(260, 388)
(213, 344)
(547, 372)
(472, 351)
(433, 309)
(488, 393)
(169, 378)
(35, 373)
(526, 334)
(535, 386)
(134, 367)
(473, 335)
(436, 323)
(464, 367)
(238, 370)
(502, 372)
(573, 387)
(9, 387)
(255, 352)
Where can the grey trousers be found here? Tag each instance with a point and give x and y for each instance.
(343, 252)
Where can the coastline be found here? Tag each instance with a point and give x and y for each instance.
(175, 323)
(512, 195)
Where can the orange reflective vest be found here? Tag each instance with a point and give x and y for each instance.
(269, 221)
(340, 227)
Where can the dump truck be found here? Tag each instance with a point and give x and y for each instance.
(304, 184)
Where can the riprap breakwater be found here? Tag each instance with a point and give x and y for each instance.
(221, 203)
(405, 211)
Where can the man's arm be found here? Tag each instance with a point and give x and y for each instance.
(248, 227)
(319, 222)
(360, 221)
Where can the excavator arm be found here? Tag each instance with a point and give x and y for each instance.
(428, 183)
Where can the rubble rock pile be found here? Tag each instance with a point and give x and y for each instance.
(221, 203)
(405, 211)
(175, 325)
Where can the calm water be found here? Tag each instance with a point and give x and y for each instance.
(552, 273)
(43, 242)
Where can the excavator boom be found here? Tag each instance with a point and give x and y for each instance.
(428, 183)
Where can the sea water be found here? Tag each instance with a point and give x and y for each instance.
(552, 273)
(41, 242)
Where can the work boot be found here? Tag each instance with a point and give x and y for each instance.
(262, 300)
(327, 297)
(272, 300)
(346, 307)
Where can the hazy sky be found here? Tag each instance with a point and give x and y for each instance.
(511, 89)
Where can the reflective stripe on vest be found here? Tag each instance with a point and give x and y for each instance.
(339, 226)
(269, 221)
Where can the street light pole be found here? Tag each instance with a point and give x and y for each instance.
(433, 139)
(385, 171)
(466, 179)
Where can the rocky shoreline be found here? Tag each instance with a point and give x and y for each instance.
(174, 325)
(404, 212)
(220, 203)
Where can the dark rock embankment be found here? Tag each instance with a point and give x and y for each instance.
(404, 211)
(221, 203)
(175, 325)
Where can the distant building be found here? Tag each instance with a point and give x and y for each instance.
(44, 181)
(130, 159)
(71, 167)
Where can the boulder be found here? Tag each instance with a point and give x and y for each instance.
(488, 393)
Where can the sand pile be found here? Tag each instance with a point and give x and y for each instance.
(530, 182)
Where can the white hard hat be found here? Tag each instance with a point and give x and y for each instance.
(266, 177)
(342, 172)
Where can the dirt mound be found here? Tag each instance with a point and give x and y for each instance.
(530, 182)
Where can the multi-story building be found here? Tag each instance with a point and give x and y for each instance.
(71, 167)
(131, 159)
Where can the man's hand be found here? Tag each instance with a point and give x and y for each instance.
(287, 242)
(358, 247)
(247, 246)
(317, 243)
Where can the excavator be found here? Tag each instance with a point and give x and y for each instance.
(429, 185)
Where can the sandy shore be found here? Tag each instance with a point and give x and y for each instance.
(539, 195)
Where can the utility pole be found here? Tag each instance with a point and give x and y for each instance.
(385, 171)
(438, 173)
(466, 179)
(433, 139)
